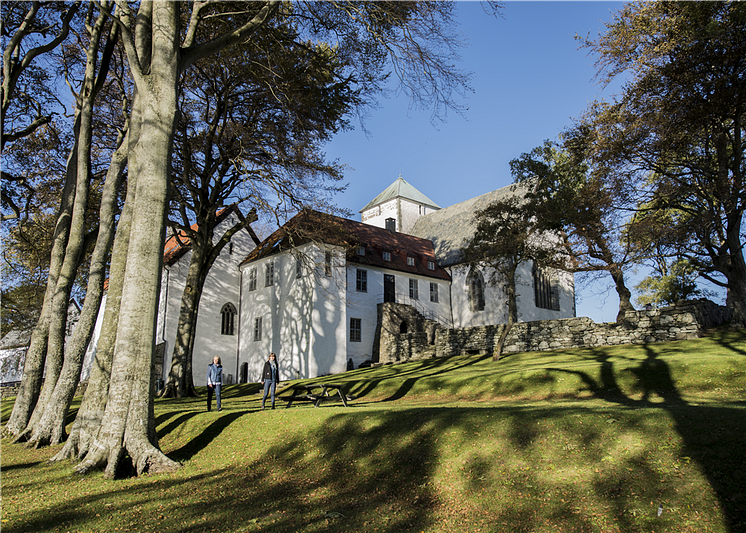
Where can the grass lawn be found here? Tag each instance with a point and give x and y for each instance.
(618, 439)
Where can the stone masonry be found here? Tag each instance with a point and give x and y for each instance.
(420, 338)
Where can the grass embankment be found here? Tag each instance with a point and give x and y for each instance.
(630, 438)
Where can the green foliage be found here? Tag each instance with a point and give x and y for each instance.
(671, 145)
(666, 288)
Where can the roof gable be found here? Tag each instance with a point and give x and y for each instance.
(401, 189)
(177, 245)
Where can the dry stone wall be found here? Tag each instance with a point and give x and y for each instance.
(686, 320)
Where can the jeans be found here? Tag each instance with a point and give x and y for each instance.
(215, 387)
(268, 383)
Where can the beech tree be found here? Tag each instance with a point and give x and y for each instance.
(41, 411)
(30, 31)
(674, 138)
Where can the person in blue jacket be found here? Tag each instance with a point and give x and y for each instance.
(214, 382)
(270, 377)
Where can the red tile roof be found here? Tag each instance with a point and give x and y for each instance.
(313, 226)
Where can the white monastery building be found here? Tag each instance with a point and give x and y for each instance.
(310, 292)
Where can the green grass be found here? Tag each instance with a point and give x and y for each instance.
(570, 441)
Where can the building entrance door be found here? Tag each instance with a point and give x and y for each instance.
(389, 288)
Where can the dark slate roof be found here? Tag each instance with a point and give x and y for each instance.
(314, 226)
(401, 189)
(451, 228)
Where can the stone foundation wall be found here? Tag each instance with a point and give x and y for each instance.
(403, 334)
(6, 391)
(686, 320)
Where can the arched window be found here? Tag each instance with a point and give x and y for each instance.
(546, 289)
(228, 315)
(475, 285)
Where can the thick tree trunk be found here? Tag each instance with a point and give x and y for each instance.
(512, 315)
(128, 424)
(91, 412)
(76, 239)
(625, 296)
(60, 302)
(50, 429)
(33, 369)
(735, 272)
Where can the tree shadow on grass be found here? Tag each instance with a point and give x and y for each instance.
(416, 469)
(19, 466)
(434, 370)
(176, 422)
(201, 441)
(714, 437)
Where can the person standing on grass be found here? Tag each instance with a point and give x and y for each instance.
(270, 377)
(214, 382)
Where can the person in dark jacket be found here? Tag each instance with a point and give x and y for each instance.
(270, 377)
(214, 382)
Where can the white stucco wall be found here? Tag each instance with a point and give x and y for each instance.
(496, 306)
(90, 353)
(221, 287)
(303, 318)
(364, 305)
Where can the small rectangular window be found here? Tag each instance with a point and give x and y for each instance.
(410, 260)
(269, 274)
(356, 328)
(387, 256)
(361, 250)
(252, 279)
(413, 289)
(434, 292)
(361, 283)
(298, 267)
(431, 265)
(328, 264)
(258, 329)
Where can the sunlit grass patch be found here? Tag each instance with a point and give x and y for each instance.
(578, 440)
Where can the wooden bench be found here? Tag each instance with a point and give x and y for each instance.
(308, 393)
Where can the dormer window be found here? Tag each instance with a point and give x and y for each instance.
(360, 250)
(431, 265)
(387, 256)
(410, 260)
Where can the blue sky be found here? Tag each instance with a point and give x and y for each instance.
(529, 79)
